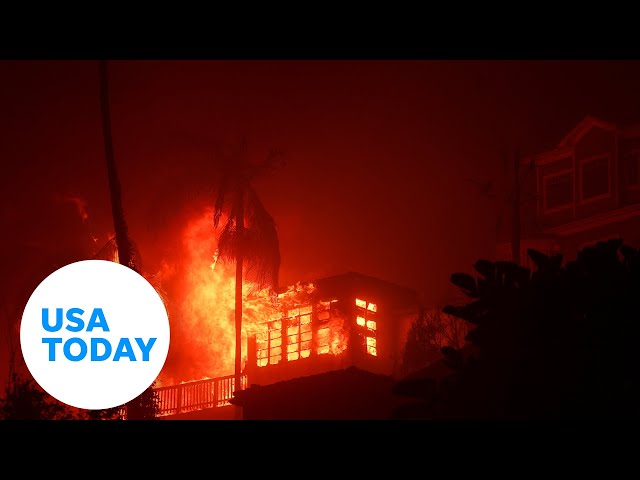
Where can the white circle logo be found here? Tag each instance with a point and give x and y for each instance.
(94, 334)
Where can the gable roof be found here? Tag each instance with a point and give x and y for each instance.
(582, 129)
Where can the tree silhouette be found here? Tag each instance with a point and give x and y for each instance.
(429, 333)
(249, 236)
(559, 342)
(508, 189)
(136, 409)
(123, 241)
(25, 400)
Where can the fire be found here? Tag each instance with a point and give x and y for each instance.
(203, 306)
(202, 309)
(366, 316)
(295, 334)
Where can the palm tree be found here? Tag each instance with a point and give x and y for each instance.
(123, 241)
(125, 246)
(249, 236)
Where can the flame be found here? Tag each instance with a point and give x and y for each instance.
(202, 314)
(203, 307)
(295, 330)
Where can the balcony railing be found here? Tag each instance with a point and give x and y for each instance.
(198, 395)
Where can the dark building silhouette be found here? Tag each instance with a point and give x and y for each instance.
(346, 394)
(584, 190)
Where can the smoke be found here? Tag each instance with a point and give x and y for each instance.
(81, 206)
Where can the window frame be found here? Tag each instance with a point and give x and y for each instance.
(632, 153)
(295, 321)
(598, 197)
(545, 181)
(369, 333)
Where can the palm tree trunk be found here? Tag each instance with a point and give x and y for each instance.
(238, 310)
(119, 224)
(123, 242)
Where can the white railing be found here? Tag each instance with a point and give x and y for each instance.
(198, 395)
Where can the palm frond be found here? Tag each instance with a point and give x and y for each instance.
(110, 252)
(228, 239)
(219, 205)
(261, 246)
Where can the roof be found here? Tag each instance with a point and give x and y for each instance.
(583, 128)
(570, 139)
(357, 280)
(406, 294)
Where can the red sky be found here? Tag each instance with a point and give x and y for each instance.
(378, 155)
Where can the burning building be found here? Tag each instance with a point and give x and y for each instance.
(344, 333)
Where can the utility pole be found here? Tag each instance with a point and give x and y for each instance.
(515, 222)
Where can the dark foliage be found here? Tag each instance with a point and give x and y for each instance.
(258, 244)
(561, 342)
(430, 332)
(24, 400)
(145, 406)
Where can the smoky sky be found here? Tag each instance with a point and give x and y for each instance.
(378, 156)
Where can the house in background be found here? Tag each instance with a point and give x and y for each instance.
(585, 190)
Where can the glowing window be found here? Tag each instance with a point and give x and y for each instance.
(323, 341)
(292, 336)
(275, 342)
(366, 316)
(299, 332)
(262, 358)
(323, 338)
(371, 346)
(269, 343)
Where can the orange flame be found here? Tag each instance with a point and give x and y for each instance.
(202, 313)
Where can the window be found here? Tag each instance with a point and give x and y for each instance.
(329, 338)
(595, 177)
(299, 333)
(292, 335)
(558, 190)
(631, 168)
(269, 344)
(366, 318)
(297, 328)
(371, 346)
